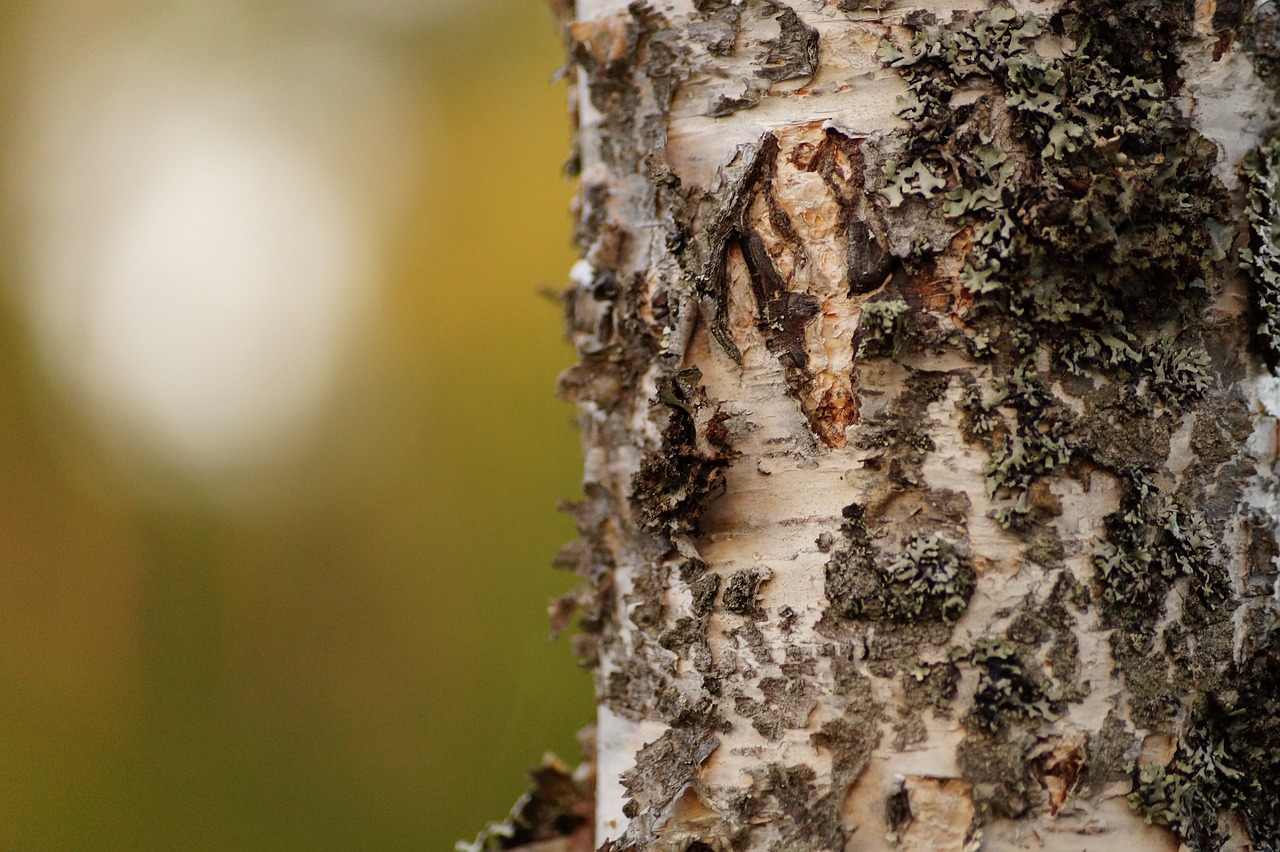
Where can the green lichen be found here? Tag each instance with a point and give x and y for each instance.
(928, 578)
(1094, 244)
(1008, 688)
(1086, 195)
(1262, 258)
(883, 329)
(1151, 542)
(1036, 446)
(1178, 374)
(1225, 763)
(1089, 215)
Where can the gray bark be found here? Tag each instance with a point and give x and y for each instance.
(927, 397)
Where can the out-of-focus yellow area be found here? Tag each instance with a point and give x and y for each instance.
(279, 451)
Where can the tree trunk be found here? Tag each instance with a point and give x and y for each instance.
(929, 422)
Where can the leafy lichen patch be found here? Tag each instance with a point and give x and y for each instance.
(927, 577)
(1262, 258)
(1077, 243)
(1224, 763)
(1094, 258)
(1259, 31)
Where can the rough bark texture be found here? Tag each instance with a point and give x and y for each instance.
(926, 393)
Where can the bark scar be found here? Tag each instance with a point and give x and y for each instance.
(783, 313)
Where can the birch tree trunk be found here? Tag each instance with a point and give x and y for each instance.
(930, 423)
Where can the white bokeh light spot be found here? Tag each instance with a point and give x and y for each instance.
(200, 236)
(221, 288)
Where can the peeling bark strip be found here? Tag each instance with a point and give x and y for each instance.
(929, 427)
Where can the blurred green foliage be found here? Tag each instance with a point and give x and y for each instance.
(366, 664)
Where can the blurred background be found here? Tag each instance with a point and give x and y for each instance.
(279, 452)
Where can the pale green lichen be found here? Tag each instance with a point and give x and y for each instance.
(1088, 219)
(1095, 233)
(915, 178)
(1080, 113)
(1178, 373)
(1224, 764)
(882, 329)
(1007, 687)
(1020, 455)
(928, 578)
(1262, 258)
(1150, 543)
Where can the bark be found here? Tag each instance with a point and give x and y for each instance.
(927, 394)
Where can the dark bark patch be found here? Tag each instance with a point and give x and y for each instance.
(713, 225)
(793, 55)
(851, 741)
(1121, 429)
(1052, 624)
(789, 797)
(591, 208)
(608, 51)
(931, 685)
(896, 440)
(648, 611)
(1112, 753)
(853, 6)
(1260, 35)
(719, 26)
(608, 312)
(704, 591)
(1011, 699)
(783, 313)
(997, 768)
(676, 481)
(590, 558)
(897, 810)
(785, 704)
(867, 259)
(558, 805)
(1261, 555)
(665, 768)
(1228, 14)
(740, 593)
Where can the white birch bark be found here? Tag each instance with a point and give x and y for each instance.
(888, 549)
